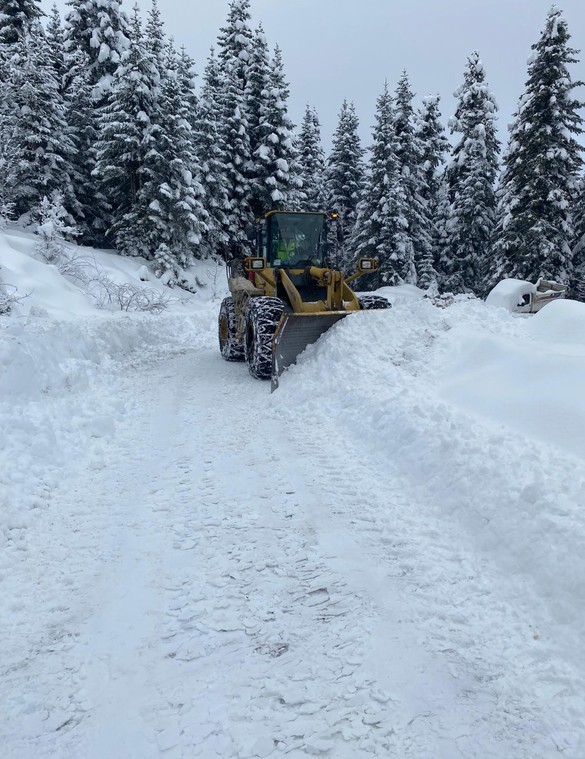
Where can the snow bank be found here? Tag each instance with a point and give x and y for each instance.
(484, 422)
(42, 357)
(561, 322)
(60, 362)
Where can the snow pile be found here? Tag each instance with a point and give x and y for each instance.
(482, 414)
(58, 355)
(83, 280)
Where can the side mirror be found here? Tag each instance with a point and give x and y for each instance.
(254, 264)
(367, 265)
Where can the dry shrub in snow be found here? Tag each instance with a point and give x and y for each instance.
(9, 297)
(105, 292)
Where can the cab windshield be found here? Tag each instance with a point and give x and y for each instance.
(297, 239)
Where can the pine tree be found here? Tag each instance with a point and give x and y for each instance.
(56, 47)
(280, 166)
(381, 210)
(53, 227)
(16, 19)
(273, 158)
(211, 163)
(236, 144)
(434, 147)
(171, 194)
(541, 166)
(94, 217)
(257, 83)
(100, 29)
(36, 149)
(471, 177)
(442, 261)
(126, 134)
(344, 179)
(579, 237)
(413, 241)
(71, 73)
(235, 41)
(312, 162)
(154, 38)
(255, 93)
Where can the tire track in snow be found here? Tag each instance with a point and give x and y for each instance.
(466, 666)
(238, 588)
(203, 619)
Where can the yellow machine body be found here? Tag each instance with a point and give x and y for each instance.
(291, 268)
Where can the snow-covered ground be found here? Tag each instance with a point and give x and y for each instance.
(384, 558)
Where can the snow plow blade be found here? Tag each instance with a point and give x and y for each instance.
(293, 334)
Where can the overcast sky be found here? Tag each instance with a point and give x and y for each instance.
(336, 49)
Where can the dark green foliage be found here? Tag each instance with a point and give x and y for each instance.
(36, 147)
(312, 162)
(470, 177)
(98, 28)
(380, 213)
(344, 180)
(434, 146)
(16, 19)
(541, 165)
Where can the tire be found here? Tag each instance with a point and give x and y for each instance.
(227, 328)
(372, 302)
(262, 317)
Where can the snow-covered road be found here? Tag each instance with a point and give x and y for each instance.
(230, 574)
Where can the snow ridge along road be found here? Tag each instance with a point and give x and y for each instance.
(225, 573)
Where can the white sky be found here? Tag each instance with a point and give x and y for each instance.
(336, 49)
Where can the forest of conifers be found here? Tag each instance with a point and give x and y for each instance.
(104, 132)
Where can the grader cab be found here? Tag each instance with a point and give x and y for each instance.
(286, 296)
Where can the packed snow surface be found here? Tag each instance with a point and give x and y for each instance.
(384, 558)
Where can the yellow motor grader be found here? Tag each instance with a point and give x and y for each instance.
(286, 296)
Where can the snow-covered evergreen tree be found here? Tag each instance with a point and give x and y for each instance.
(36, 149)
(257, 83)
(434, 147)
(100, 29)
(312, 162)
(93, 219)
(211, 159)
(344, 179)
(127, 131)
(56, 46)
(154, 37)
(171, 195)
(413, 241)
(72, 75)
(53, 228)
(579, 237)
(236, 41)
(16, 19)
(235, 44)
(277, 161)
(255, 93)
(236, 144)
(471, 176)
(381, 210)
(542, 161)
